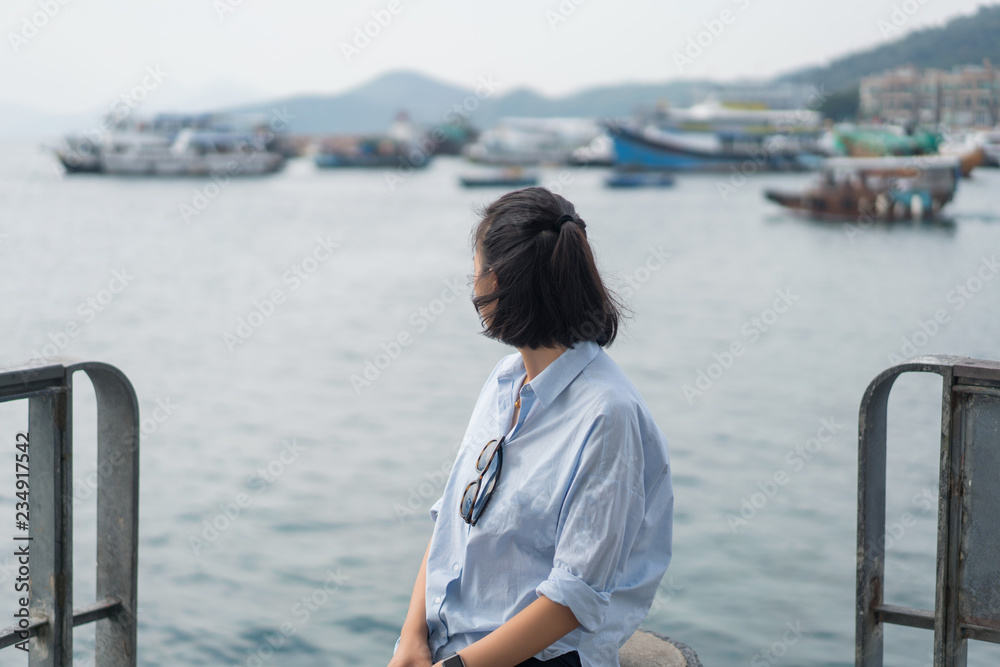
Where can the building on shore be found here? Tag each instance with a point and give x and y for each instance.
(966, 96)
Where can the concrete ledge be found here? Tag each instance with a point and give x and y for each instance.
(649, 649)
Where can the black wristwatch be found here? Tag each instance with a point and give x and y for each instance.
(453, 660)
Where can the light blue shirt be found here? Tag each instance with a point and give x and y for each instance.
(582, 514)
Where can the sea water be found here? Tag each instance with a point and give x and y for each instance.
(306, 359)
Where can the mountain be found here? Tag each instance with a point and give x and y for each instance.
(963, 40)
(371, 107)
(368, 108)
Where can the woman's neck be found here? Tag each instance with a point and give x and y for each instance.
(537, 359)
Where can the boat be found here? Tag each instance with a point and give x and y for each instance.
(402, 146)
(369, 152)
(191, 153)
(883, 188)
(600, 152)
(79, 155)
(511, 177)
(197, 147)
(532, 141)
(965, 146)
(884, 140)
(639, 179)
(990, 142)
(714, 137)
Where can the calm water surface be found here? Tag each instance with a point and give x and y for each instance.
(245, 324)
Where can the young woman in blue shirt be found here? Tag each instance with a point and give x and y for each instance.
(554, 528)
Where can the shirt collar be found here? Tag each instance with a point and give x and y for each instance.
(548, 384)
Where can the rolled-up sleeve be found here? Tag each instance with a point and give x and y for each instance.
(435, 508)
(599, 519)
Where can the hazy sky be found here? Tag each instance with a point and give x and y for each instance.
(90, 52)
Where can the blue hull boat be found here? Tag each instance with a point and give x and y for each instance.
(647, 148)
(639, 179)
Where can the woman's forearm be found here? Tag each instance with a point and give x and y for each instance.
(531, 630)
(415, 625)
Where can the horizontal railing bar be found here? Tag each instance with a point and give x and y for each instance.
(981, 369)
(908, 616)
(10, 636)
(92, 612)
(980, 632)
(976, 389)
(28, 391)
(26, 376)
(96, 611)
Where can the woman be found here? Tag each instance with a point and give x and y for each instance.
(554, 528)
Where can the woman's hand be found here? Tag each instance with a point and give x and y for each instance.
(412, 653)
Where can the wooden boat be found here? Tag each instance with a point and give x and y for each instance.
(970, 160)
(970, 154)
(884, 188)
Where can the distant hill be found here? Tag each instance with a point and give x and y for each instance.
(371, 107)
(368, 108)
(962, 41)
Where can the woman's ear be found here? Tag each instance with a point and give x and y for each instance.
(491, 280)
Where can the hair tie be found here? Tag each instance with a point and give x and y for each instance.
(563, 218)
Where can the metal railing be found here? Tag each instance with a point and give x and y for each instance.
(967, 594)
(49, 627)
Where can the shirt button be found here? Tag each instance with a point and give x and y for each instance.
(455, 567)
(437, 600)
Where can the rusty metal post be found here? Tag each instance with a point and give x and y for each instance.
(48, 388)
(51, 532)
(967, 594)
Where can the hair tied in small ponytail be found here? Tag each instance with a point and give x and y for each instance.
(563, 218)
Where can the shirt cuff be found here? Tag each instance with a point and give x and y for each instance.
(565, 588)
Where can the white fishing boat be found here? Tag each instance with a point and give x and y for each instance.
(140, 149)
(191, 153)
(532, 141)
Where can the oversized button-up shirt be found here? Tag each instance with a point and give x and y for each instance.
(582, 514)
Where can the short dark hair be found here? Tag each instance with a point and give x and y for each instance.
(549, 290)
